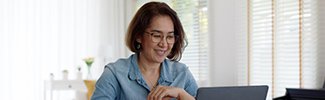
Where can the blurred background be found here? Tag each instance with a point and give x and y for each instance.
(279, 43)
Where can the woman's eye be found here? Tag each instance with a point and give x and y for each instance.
(170, 37)
(156, 36)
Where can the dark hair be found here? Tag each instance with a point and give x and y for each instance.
(142, 20)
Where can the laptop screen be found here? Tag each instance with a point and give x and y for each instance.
(306, 94)
(232, 93)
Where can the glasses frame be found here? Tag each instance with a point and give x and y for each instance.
(161, 38)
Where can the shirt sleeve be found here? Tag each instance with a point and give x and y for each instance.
(106, 87)
(191, 85)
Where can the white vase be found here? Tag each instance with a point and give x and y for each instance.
(65, 75)
(51, 76)
(89, 76)
(79, 75)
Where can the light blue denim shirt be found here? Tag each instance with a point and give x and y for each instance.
(123, 80)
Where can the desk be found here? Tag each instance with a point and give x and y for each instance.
(90, 87)
(80, 86)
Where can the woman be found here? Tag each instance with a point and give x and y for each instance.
(157, 38)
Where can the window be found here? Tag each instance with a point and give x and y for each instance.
(193, 15)
(283, 44)
(39, 37)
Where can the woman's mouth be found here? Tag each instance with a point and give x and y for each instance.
(160, 52)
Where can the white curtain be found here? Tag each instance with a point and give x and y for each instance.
(39, 37)
(281, 44)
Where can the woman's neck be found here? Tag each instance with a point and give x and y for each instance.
(149, 70)
(148, 67)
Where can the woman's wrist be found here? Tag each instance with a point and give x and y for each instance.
(183, 95)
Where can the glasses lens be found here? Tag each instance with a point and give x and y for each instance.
(170, 39)
(157, 37)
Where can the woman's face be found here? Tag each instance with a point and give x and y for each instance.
(157, 40)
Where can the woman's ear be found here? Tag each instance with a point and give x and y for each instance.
(138, 40)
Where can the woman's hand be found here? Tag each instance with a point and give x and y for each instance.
(167, 92)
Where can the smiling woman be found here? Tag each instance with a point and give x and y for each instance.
(153, 71)
(39, 37)
(193, 15)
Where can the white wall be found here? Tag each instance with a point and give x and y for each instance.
(222, 42)
(116, 19)
(39, 37)
(118, 16)
(115, 29)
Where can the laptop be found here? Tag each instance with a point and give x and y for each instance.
(232, 93)
(305, 94)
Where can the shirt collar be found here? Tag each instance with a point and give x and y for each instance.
(166, 73)
(135, 74)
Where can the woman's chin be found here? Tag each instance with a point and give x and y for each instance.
(160, 59)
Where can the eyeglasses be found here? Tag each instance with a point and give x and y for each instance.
(157, 37)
